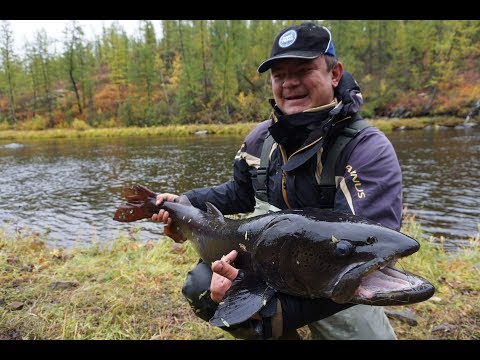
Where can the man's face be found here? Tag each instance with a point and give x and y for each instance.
(300, 84)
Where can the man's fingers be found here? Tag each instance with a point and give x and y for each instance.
(165, 217)
(230, 257)
(165, 197)
(159, 200)
(223, 275)
(162, 216)
(223, 268)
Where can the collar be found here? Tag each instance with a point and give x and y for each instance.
(277, 112)
(331, 105)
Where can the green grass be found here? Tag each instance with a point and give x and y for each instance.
(132, 290)
(128, 290)
(170, 130)
(243, 129)
(454, 310)
(389, 124)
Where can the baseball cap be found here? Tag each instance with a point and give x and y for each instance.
(304, 41)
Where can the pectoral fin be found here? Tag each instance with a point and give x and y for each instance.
(247, 296)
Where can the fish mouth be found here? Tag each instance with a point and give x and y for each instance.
(382, 284)
(391, 286)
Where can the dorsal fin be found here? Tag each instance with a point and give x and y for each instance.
(211, 209)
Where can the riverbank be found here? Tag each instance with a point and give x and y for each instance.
(132, 290)
(82, 130)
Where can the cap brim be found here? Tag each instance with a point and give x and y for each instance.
(267, 64)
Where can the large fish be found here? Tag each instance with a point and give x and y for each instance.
(306, 252)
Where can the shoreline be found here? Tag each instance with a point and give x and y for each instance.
(240, 129)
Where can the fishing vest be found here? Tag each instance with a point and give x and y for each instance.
(327, 183)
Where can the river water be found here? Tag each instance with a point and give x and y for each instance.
(68, 190)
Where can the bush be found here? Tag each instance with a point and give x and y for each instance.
(80, 125)
(4, 125)
(38, 122)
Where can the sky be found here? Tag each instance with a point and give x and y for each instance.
(25, 30)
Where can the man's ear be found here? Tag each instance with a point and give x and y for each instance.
(337, 72)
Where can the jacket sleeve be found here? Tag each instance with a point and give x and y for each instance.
(232, 197)
(371, 185)
(236, 195)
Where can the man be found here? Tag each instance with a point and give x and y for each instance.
(320, 153)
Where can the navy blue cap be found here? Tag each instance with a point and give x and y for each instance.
(304, 41)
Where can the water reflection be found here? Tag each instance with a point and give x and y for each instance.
(71, 188)
(440, 170)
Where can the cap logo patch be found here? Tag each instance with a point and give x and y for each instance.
(287, 39)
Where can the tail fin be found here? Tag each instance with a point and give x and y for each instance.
(138, 193)
(140, 204)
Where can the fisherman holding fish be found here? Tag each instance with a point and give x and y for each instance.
(315, 150)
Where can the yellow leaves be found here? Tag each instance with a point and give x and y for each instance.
(455, 265)
(367, 78)
(56, 253)
(78, 124)
(383, 87)
(177, 70)
(42, 263)
(245, 101)
(453, 268)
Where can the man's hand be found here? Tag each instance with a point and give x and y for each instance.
(223, 275)
(164, 216)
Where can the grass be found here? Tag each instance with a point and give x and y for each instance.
(390, 124)
(243, 129)
(126, 291)
(132, 290)
(169, 130)
(454, 310)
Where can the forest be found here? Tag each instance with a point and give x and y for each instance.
(205, 72)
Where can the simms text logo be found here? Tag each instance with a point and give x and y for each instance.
(287, 39)
(356, 182)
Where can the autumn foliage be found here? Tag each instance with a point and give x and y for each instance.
(205, 71)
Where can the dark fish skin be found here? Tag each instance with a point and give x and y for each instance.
(306, 252)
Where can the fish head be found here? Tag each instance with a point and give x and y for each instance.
(366, 272)
(344, 258)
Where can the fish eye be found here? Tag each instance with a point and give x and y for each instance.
(343, 248)
(371, 240)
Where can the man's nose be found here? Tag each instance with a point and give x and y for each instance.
(290, 80)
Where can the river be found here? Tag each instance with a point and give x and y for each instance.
(68, 189)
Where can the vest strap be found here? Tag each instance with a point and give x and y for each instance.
(262, 170)
(348, 133)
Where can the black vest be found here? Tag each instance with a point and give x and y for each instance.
(327, 186)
